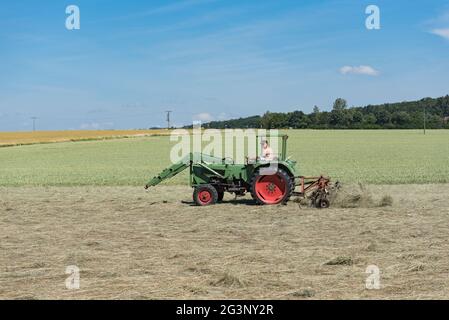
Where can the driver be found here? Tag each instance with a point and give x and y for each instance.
(266, 152)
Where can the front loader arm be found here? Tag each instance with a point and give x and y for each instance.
(170, 171)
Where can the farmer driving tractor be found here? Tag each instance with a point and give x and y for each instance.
(266, 152)
(211, 180)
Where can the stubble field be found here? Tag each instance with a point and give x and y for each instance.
(38, 137)
(129, 244)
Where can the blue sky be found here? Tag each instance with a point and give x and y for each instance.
(211, 59)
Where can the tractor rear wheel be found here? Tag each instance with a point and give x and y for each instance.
(272, 189)
(205, 195)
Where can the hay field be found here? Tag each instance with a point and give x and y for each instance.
(131, 244)
(367, 156)
(25, 138)
(84, 204)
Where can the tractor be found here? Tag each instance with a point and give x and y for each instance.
(268, 182)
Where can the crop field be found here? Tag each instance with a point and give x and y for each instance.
(373, 157)
(83, 203)
(24, 138)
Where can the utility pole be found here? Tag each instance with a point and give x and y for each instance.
(34, 123)
(168, 119)
(424, 112)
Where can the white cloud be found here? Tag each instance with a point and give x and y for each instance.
(204, 116)
(441, 32)
(365, 70)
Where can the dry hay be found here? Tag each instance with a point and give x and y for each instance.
(303, 293)
(340, 261)
(134, 245)
(358, 196)
(351, 196)
(229, 280)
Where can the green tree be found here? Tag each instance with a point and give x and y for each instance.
(369, 120)
(267, 120)
(383, 116)
(400, 118)
(406, 115)
(357, 117)
(339, 104)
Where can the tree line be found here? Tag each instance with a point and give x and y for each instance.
(401, 115)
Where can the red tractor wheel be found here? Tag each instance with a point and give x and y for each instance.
(205, 195)
(272, 189)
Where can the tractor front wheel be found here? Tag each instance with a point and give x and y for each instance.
(205, 195)
(272, 189)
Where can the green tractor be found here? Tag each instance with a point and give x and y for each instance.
(268, 182)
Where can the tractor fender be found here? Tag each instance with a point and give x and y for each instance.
(280, 165)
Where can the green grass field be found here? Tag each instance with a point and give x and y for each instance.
(378, 157)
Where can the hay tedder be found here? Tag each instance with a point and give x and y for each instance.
(268, 182)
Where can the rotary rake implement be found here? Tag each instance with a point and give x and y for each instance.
(268, 182)
(318, 190)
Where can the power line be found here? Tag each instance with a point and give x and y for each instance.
(168, 119)
(424, 107)
(34, 123)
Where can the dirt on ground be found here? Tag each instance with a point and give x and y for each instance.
(132, 244)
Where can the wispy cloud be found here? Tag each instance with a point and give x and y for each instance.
(439, 25)
(170, 8)
(96, 125)
(362, 70)
(180, 5)
(441, 32)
